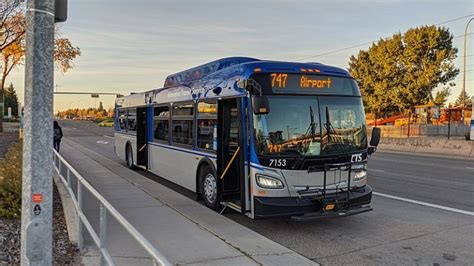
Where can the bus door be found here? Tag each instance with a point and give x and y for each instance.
(142, 143)
(230, 150)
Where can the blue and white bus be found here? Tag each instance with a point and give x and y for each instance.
(471, 133)
(264, 138)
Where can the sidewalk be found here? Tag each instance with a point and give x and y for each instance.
(185, 231)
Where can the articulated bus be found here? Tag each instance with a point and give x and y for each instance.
(265, 138)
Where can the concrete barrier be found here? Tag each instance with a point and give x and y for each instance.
(441, 146)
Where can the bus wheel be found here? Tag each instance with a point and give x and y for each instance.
(129, 157)
(210, 188)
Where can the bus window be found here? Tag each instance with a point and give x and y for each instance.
(123, 119)
(207, 125)
(161, 123)
(182, 123)
(132, 120)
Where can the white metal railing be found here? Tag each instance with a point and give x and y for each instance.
(105, 206)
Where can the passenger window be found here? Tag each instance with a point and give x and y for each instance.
(132, 120)
(207, 125)
(161, 123)
(182, 123)
(123, 119)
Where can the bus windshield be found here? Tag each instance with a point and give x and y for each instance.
(296, 126)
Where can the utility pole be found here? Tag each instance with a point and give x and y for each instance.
(37, 196)
(464, 65)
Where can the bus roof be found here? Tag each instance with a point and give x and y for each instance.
(250, 65)
(220, 79)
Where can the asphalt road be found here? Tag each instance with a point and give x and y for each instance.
(396, 232)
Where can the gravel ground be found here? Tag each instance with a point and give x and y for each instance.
(6, 139)
(64, 251)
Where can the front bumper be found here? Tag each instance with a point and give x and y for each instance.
(310, 208)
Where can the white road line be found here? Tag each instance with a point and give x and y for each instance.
(424, 204)
(108, 137)
(377, 170)
(470, 168)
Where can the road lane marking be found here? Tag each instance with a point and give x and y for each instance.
(108, 137)
(470, 168)
(377, 170)
(102, 142)
(424, 204)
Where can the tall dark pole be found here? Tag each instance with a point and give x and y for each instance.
(408, 129)
(464, 65)
(36, 217)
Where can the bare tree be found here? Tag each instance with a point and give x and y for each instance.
(12, 44)
(12, 23)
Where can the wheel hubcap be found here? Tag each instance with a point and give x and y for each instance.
(210, 188)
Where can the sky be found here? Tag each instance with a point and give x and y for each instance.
(131, 46)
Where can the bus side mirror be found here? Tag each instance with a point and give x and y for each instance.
(260, 105)
(374, 140)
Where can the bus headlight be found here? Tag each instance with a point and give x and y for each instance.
(359, 175)
(268, 182)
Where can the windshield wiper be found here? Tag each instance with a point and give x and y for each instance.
(338, 142)
(311, 131)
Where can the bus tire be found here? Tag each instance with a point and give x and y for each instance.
(129, 157)
(210, 188)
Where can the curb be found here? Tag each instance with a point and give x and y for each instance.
(70, 214)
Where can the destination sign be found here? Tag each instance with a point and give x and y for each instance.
(311, 83)
(281, 80)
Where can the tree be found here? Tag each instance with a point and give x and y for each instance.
(11, 100)
(376, 71)
(101, 107)
(441, 97)
(11, 56)
(12, 45)
(12, 24)
(402, 71)
(466, 98)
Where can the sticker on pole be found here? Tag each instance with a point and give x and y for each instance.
(37, 210)
(37, 198)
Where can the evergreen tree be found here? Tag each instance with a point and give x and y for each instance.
(441, 97)
(101, 107)
(467, 100)
(11, 100)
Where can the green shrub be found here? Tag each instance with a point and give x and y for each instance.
(10, 182)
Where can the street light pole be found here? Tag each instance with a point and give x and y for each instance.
(464, 65)
(36, 217)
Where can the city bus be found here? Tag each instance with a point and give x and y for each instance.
(471, 133)
(264, 138)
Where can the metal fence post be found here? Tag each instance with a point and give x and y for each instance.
(102, 232)
(68, 176)
(59, 168)
(449, 123)
(80, 239)
(408, 129)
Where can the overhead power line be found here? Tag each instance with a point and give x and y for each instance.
(454, 19)
(462, 35)
(366, 43)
